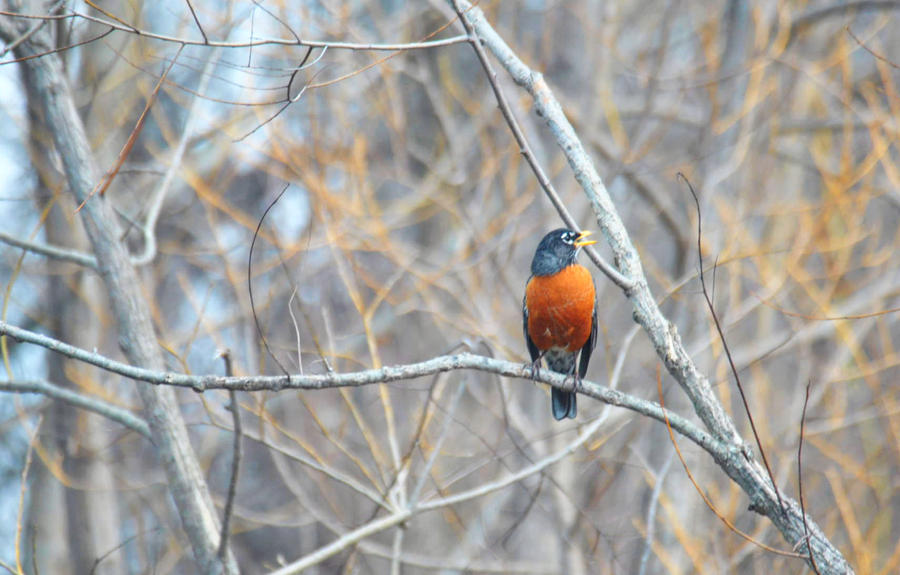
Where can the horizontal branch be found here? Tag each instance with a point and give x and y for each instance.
(388, 374)
(374, 47)
(717, 449)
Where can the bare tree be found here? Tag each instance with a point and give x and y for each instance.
(346, 199)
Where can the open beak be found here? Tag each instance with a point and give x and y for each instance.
(580, 242)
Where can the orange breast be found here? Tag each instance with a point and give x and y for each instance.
(560, 308)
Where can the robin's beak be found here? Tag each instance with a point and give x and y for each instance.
(580, 242)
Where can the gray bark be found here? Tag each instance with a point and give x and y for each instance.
(48, 88)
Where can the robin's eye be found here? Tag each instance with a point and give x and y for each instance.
(568, 238)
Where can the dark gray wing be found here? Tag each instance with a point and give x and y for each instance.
(590, 344)
(532, 348)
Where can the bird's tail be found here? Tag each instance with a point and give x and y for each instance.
(563, 403)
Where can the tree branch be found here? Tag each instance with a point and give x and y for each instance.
(386, 374)
(237, 455)
(413, 508)
(815, 15)
(525, 149)
(739, 464)
(121, 27)
(52, 252)
(46, 84)
(86, 402)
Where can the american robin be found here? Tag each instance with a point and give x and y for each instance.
(560, 312)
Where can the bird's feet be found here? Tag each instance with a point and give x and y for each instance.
(576, 381)
(536, 369)
(536, 366)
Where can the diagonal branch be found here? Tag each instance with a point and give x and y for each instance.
(51, 251)
(86, 402)
(525, 149)
(412, 509)
(739, 465)
(113, 171)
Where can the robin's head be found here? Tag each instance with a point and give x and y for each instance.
(558, 250)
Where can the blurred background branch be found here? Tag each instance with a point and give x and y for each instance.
(405, 235)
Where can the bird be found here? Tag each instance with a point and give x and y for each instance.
(560, 313)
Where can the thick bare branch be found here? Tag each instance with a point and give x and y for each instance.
(46, 83)
(385, 374)
(525, 148)
(740, 465)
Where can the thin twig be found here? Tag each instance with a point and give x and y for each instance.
(297, 70)
(290, 307)
(525, 149)
(703, 495)
(58, 50)
(259, 330)
(235, 458)
(277, 18)
(286, 104)
(23, 488)
(101, 558)
(734, 370)
(870, 51)
(812, 560)
(121, 26)
(110, 175)
(197, 21)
